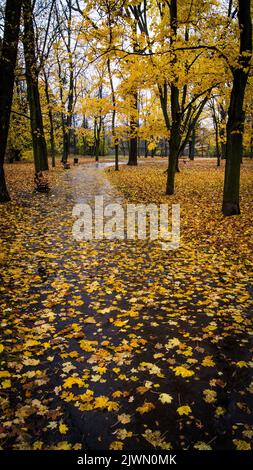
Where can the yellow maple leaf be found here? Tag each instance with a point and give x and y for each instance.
(100, 370)
(220, 411)
(117, 394)
(77, 446)
(142, 390)
(70, 381)
(31, 362)
(90, 320)
(112, 406)
(241, 445)
(64, 445)
(165, 398)
(172, 343)
(145, 408)
(116, 445)
(122, 434)
(30, 343)
(241, 364)
(6, 383)
(88, 346)
(208, 362)
(1, 348)
(120, 323)
(156, 439)
(182, 371)
(124, 418)
(37, 445)
(4, 373)
(202, 446)
(210, 396)
(184, 410)
(101, 402)
(63, 428)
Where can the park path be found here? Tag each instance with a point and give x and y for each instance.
(113, 347)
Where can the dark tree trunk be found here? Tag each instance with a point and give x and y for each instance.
(251, 140)
(97, 138)
(68, 126)
(236, 117)
(64, 150)
(116, 149)
(153, 152)
(165, 149)
(115, 138)
(175, 131)
(146, 149)
(177, 164)
(7, 74)
(37, 128)
(174, 143)
(51, 121)
(223, 147)
(133, 143)
(216, 128)
(223, 116)
(192, 142)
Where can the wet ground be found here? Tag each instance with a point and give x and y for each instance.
(118, 344)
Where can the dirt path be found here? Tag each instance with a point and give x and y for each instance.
(117, 344)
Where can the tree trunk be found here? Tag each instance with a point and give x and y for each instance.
(133, 143)
(7, 74)
(174, 145)
(51, 121)
(37, 128)
(223, 116)
(192, 142)
(216, 128)
(97, 138)
(175, 132)
(165, 149)
(115, 138)
(69, 120)
(236, 116)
